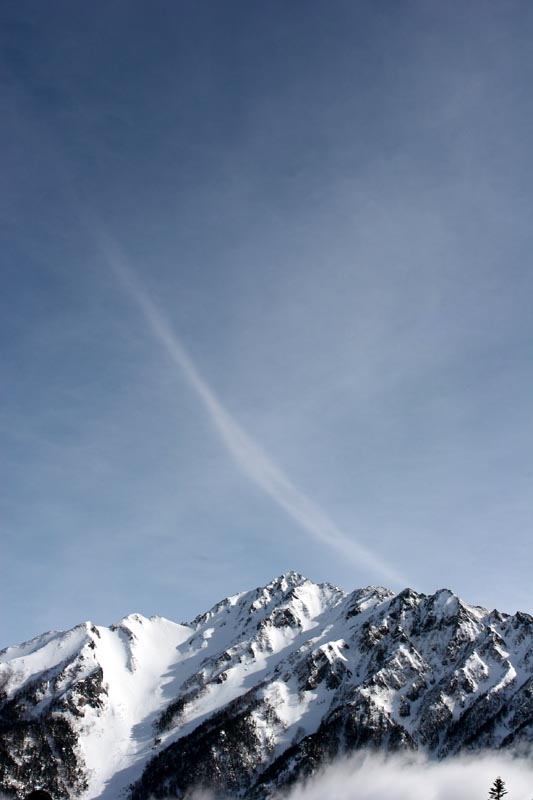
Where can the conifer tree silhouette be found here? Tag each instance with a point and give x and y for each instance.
(497, 790)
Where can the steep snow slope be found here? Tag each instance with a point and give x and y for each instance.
(259, 690)
(108, 683)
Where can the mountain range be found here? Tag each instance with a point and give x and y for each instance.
(260, 691)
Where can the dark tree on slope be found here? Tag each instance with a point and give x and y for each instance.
(497, 790)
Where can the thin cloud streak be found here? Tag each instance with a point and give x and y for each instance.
(250, 457)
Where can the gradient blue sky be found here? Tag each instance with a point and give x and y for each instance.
(266, 302)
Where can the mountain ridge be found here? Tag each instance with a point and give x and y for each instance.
(259, 690)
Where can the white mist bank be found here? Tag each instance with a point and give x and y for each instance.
(413, 777)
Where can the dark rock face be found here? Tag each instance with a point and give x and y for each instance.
(40, 753)
(38, 740)
(220, 755)
(265, 687)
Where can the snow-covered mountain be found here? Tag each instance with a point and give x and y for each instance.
(259, 690)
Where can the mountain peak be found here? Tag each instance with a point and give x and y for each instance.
(266, 680)
(286, 580)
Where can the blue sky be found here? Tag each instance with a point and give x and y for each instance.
(266, 302)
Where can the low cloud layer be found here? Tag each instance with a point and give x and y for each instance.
(410, 776)
(413, 777)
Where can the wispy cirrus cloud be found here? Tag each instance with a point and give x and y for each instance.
(254, 462)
